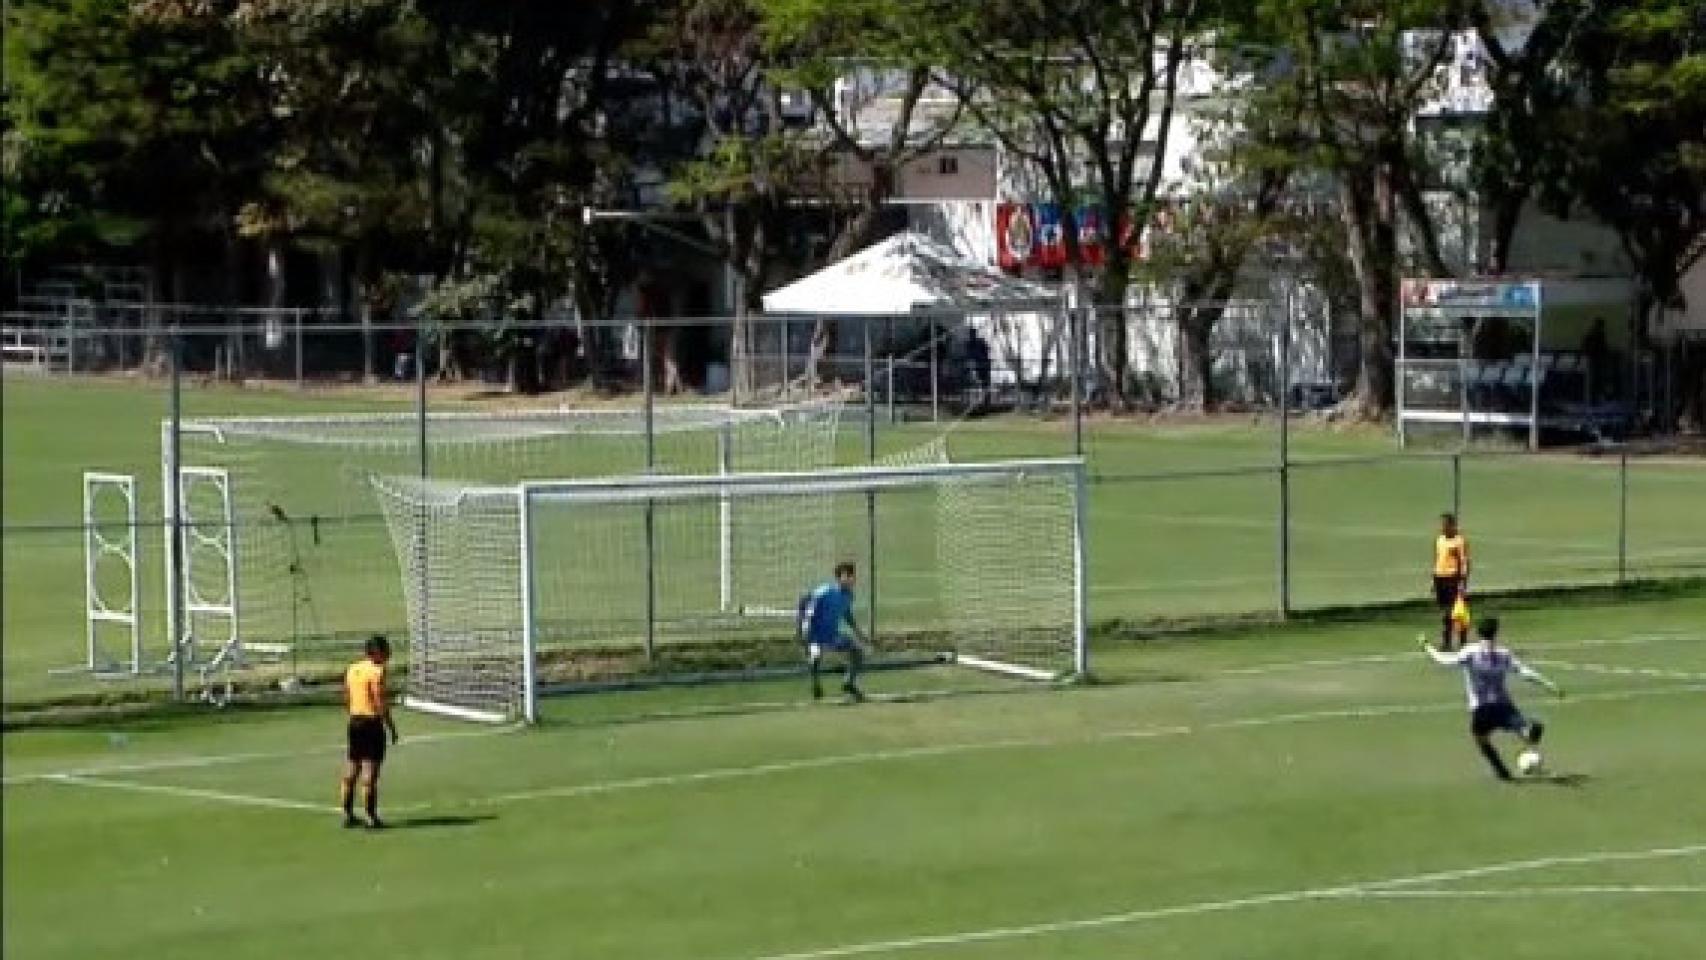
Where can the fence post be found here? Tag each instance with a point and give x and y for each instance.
(1457, 485)
(870, 496)
(646, 387)
(1285, 461)
(1622, 515)
(175, 520)
(1075, 351)
(935, 376)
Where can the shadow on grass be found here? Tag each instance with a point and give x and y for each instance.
(431, 822)
(1558, 780)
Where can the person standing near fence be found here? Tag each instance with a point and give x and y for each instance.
(1451, 577)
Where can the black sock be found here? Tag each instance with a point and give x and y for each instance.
(346, 795)
(1536, 730)
(814, 664)
(373, 802)
(854, 661)
(1494, 760)
(1445, 633)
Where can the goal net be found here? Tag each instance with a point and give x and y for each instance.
(514, 588)
(303, 551)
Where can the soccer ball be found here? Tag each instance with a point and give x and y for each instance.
(1529, 762)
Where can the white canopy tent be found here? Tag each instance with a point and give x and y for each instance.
(912, 275)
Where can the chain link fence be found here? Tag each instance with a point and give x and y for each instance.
(1190, 519)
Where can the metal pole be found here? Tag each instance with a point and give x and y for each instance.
(1075, 351)
(651, 506)
(1534, 389)
(935, 376)
(421, 401)
(1457, 485)
(1080, 571)
(1622, 515)
(174, 497)
(787, 361)
(529, 615)
(1285, 459)
(870, 496)
(890, 376)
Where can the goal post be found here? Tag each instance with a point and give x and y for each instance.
(513, 587)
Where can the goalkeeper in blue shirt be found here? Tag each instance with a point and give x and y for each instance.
(821, 614)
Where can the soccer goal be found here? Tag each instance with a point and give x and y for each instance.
(981, 564)
(280, 517)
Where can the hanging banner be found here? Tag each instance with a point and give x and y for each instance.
(1051, 238)
(1015, 236)
(1090, 236)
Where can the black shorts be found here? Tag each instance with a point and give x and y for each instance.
(1489, 717)
(1446, 590)
(366, 740)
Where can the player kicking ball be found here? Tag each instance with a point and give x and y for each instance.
(1486, 666)
(822, 612)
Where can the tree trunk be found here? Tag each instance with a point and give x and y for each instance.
(1204, 304)
(364, 310)
(1113, 341)
(1371, 232)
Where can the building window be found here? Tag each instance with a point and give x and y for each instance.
(948, 166)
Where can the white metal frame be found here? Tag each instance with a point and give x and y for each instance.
(574, 422)
(218, 535)
(98, 545)
(839, 480)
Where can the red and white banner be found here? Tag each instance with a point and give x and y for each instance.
(1015, 236)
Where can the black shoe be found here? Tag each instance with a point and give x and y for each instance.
(350, 822)
(374, 823)
(853, 692)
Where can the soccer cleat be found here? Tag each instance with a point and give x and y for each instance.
(374, 823)
(350, 822)
(857, 695)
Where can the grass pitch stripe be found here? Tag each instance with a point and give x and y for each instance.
(720, 774)
(1365, 888)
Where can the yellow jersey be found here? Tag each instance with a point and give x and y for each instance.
(1451, 556)
(364, 689)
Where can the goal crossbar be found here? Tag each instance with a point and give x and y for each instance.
(661, 487)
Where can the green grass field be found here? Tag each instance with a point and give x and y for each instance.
(1294, 792)
(1184, 518)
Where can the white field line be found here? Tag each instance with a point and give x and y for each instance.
(720, 774)
(1365, 888)
(1614, 670)
(1492, 893)
(224, 759)
(194, 793)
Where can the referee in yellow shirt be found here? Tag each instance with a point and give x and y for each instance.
(1451, 578)
(369, 723)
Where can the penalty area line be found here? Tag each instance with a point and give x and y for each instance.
(1372, 888)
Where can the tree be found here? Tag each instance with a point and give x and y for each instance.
(867, 75)
(1361, 73)
(141, 123)
(1635, 154)
(1083, 92)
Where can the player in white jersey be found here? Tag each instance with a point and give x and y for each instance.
(1486, 666)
